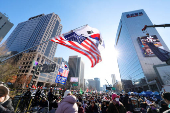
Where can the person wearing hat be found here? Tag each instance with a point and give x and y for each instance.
(68, 104)
(5, 101)
(115, 106)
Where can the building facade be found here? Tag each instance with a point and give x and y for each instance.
(135, 62)
(92, 84)
(97, 83)
(34, 31)
(26, 66)
(5, 25)
(76, 69)
(113, 79)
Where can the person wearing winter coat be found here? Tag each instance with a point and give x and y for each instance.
(116, 106)
(5, 101)
(163, 107)
(80, 108)
(93, 108)
(68, 104)
(166, 97)
(125, 101)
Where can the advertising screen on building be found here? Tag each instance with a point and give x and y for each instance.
(145, 48)
(74, 79)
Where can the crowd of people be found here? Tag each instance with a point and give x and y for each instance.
(87, 102)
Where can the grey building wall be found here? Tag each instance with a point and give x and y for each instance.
(92, 84)
(97, 83)
(5, 25)
(35, 31)
(113, 79)
(132, 63)
(76, 69)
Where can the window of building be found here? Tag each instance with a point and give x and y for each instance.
(26, 71)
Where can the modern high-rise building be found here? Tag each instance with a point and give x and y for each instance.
(113, 79)
(76, 69)
(60, 60)
(92, 84)
(136, 60)
(5, 25)
(97, 83)
(34, 31)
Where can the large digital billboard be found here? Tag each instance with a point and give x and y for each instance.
(74, 79)
(145, 48)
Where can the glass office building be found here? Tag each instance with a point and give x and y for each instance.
(76, 69)
(136, 69)
(34, 31)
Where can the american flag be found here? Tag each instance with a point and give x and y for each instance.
(86, 40)
(105, 98)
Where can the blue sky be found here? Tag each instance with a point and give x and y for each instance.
(101, 14)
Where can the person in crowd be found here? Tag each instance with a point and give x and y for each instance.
(121, 98)
(68, 104)
(50, 98)
(5, 101)
(104, 107)
(125, 101)
(115, 106)
(85, 106)
(38, 93)
(80, 108)
(26, 98)
(43, 103)
(55, 102)
(166, 97)
(143, 110)
(152, 109)
(93, 108)
(164, 107)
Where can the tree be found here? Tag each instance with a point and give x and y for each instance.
(8, 69)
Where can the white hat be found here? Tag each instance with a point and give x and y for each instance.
(66, 93)
(4, 90)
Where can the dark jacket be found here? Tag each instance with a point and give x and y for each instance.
(167, 111)
(50, 96)
(93, 109)
(125, 101)
(162, 109)
(104, 107)
(6, 106)
(117, 108)
(27, 95)
(43, 103)
(80, 110)
(38, 93)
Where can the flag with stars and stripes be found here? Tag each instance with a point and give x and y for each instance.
(85, 40)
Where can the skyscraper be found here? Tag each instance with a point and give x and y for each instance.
(5, 25)
(97, 83)
(136, 60)
(34, 31)
(76, 69)
(113, 79)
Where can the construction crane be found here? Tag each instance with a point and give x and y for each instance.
(163, 25)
